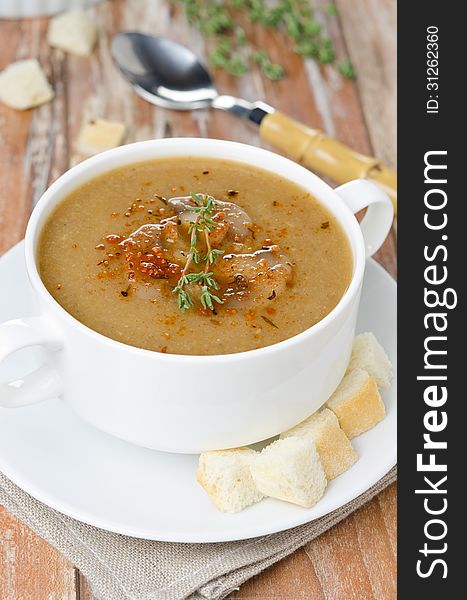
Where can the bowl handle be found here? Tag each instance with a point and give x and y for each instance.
(377, 222)
(44, 382)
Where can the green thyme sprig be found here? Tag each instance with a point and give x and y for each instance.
(184, 299)
(203, 225)
(347, 69)
(218, 20)
(271, 70)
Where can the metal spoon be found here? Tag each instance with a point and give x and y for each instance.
(169, 75)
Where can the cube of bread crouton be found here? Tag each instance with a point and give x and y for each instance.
(290, 469)
(99, 135)
(226, 477)
(23, 85)
(357, 403)
(73, 32)
(368, 354)
(333, 446)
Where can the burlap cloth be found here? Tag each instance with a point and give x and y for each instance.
(123, 568)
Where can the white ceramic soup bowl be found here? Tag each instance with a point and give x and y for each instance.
(162, 401)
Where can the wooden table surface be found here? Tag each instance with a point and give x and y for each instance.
(357, 558)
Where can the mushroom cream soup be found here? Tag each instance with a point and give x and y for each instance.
(194, 256)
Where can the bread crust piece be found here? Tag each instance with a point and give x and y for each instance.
(99, 135)
(226, 477)
(290, 469)
(23, 85)
(357, 403)
(368, 354)
(333, 446)
(73, 32)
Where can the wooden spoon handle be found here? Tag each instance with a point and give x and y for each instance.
(318, 152)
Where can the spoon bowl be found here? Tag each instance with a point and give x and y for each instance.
(163, 72)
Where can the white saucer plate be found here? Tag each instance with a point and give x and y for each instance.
(96, 478)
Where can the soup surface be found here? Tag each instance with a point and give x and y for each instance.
(194, 256)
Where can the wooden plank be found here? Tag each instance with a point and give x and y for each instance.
(83, 590)
(373, 52)
(356, 559)
(370, 34)
(293, 578)
(30, 568)
(377, 551)
(14, 128)
(339, 564)
(388, 504)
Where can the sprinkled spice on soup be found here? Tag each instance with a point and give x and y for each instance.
(194, 256)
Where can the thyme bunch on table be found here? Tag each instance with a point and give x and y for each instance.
(219, 20)
(202, 226)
